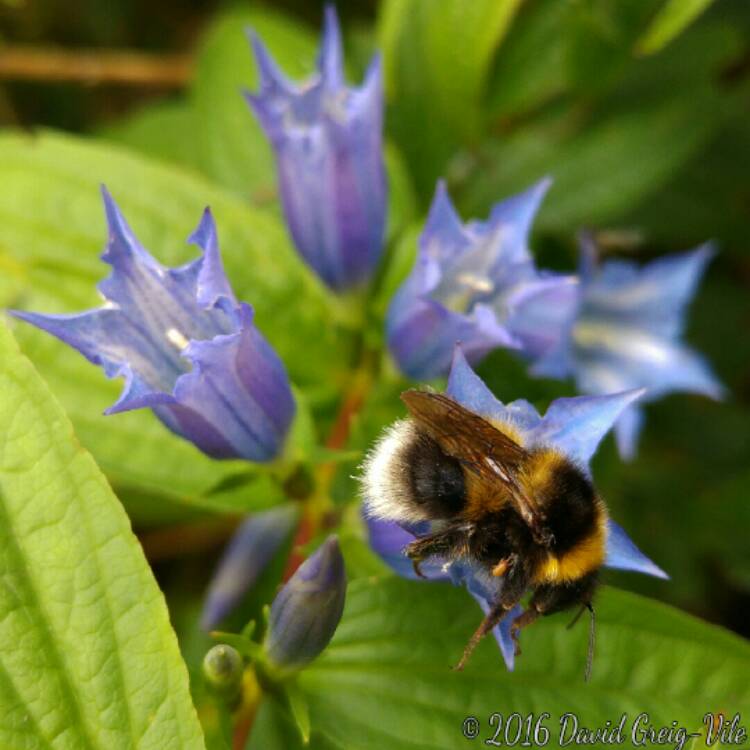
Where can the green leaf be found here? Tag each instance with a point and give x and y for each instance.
(300, 710)
(386, 681)
(88, 658)
(706, 198)
(670, 21)
(51, 233)
(437, 57)
(165, 130)
(600, 39)
(274, 727)
(530, 67)
(605, 169)
(608, 157)
(598, 174)
(233, 148)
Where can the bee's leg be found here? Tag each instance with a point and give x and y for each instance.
(523, 620)
(449, 541)
(515, 583)
(493, 617)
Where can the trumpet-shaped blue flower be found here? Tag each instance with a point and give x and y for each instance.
(327, 138)
(574, 427)
(623, 329)
(306, 612)
(248, 553)
(463, 284)
(184, 346)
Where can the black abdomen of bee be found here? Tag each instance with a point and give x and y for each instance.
(436, 480)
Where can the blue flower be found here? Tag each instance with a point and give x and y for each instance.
(184, 346)
(306, 612)
(573, 426)
(623, 329)
(327, 138)
(248, 553)
(462, 283)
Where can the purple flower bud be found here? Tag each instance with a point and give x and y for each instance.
(327, 138)
(184, 346)
(248, 553)
(462, 285)
(305, 613)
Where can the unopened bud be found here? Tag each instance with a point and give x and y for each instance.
(306, 612)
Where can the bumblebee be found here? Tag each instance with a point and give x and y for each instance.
(530, 516)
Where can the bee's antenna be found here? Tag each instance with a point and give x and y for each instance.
(592, 642)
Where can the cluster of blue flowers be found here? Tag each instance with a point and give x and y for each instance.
(189, 350)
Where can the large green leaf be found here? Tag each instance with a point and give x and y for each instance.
(437, 57)
(530, 67)
(599, 39)
(606, 164)
(707, 197)
(51, 233)
(385, 680)
(165, 130)
(88, 658)
(600, 173)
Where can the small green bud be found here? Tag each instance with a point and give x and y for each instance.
(222, 669)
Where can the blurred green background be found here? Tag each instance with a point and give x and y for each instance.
(641, 118)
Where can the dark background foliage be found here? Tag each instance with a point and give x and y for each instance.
(649, 149)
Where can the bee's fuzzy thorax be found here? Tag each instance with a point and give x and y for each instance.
(385, 476)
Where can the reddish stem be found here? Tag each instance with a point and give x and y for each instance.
(337, 438)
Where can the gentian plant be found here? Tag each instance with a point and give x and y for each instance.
(207, 578)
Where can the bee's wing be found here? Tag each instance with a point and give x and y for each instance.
(478, 445)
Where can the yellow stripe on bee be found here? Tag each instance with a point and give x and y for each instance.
(586, 556)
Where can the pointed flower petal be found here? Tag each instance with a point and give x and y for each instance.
(184, 346)
(463, 284)
(331, 57)
(627, 430)
(466, 387)
(327, 139)
(624, 555)
(577, 425)
(245, 558)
